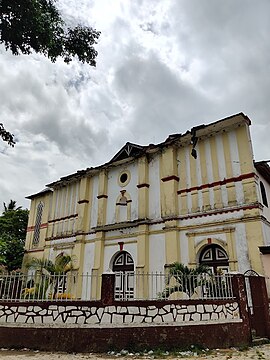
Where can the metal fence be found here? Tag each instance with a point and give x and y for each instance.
(160, 286)
(128, 286)
(49, 287)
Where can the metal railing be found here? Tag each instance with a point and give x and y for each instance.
(161, 286)
(128, 286)
(49, 287)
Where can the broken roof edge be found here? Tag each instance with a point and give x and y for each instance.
(151, 148)
(264, 249)
(263, 169)
(40, 193)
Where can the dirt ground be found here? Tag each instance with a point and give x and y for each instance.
(254, 353)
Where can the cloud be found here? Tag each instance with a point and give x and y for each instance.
(162, 68)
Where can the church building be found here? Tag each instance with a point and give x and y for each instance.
(196, 198)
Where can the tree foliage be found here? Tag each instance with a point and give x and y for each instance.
(11, 206)
(13, 225)
(185, 279)
(51, 275)
(6, 135)
(28, 26)
(36, 25)
(62, 264)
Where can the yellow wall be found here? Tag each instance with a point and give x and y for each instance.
(181, 178)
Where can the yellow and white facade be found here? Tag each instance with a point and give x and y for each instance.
(160, 204)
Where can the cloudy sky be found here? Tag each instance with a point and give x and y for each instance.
(163, 67)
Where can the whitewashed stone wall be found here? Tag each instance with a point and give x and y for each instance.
(169, 314)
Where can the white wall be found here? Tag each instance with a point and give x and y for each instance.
(94, 210)
(114, 190)
(236, 168)
(110, 251)
(154, 189)
(157, 258)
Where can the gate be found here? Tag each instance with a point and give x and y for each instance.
(258, 303)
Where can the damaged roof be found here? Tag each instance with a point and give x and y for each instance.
(131, 151)
(42, 192)
(263, 168)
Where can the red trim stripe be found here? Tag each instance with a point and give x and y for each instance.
(102, 196)
(217, 183)
(42, 226)
(139, 186)
(169, 178)
(83, 201)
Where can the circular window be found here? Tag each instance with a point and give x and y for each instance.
(124, 178)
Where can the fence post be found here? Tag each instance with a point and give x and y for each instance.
(107, 288)
(239, 291)
(260, 317)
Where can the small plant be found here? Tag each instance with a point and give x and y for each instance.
(184, 279)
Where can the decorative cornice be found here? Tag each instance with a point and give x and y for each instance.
(221, 211)
(169, 178)
(62, 236)
(33, 250)
(63, 218)
(218, 183)
(139, 186)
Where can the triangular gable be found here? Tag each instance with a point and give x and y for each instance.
(128, 150)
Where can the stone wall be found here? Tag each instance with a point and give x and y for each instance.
(149, 313)
(108, 324)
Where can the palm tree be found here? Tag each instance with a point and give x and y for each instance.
(11, 206)
(185, 279)
(62, 264)
(50, 274)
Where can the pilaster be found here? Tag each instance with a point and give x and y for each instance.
(169, 182)
(143, 188)
(229, 172)
(83, 206)
(182, 183)
(217, 189)
(254, 236)
(143, 260)
(97, 269)
(246, 163)
(102, 197)
(172, 247)
(205, 190)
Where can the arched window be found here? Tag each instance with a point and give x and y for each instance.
(37, 224)
(123, 262)
(123, 207)
(215, 257)
(263, 192)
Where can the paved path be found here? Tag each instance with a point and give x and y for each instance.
(255, 353)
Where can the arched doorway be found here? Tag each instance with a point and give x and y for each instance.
(123, 266)
(215, 257)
